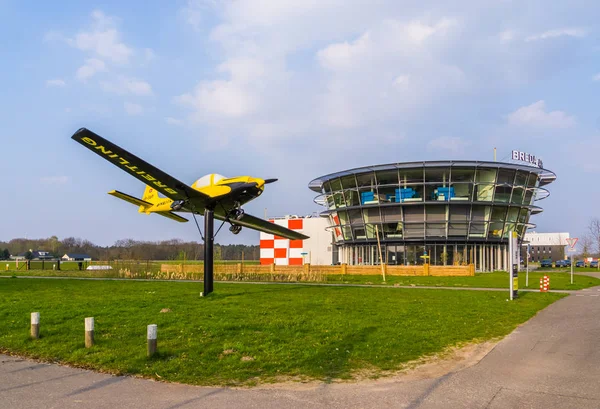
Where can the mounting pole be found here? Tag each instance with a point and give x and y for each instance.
(209, 226)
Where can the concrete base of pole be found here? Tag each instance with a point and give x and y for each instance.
(152, 339)
(35, 331)
(89, 339)
(152, 347)
(35, 325)
(89, 332)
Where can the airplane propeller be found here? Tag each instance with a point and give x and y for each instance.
(267, 181)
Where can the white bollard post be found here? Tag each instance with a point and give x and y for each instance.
(152, 335)
(89, 332)
(35, 325)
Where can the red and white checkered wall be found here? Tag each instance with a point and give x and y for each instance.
(279, 250)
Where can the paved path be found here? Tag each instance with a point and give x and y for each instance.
(553, 361)
(596, 275)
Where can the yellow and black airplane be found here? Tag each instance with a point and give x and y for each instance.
(213, 193)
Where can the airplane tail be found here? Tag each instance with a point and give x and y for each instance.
(149, 199)
(150, 195)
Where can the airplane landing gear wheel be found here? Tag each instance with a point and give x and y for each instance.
(235, 229)
(177, 205)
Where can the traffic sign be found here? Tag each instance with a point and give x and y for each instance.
(571, 242)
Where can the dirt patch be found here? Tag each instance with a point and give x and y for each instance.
(452, 360)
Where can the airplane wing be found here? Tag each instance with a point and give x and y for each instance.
(173, 216)
(255, 223)
(140, 169)
(168, 185)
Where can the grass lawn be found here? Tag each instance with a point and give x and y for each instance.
(558, 281)
(568, 270)
(243, 333)
(73, 265)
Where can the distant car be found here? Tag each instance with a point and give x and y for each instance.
(546, 263)
(567, 263)
(580, 263)
(560, 263)
(594, 264)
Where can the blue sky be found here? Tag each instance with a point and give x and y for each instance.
(287, 89)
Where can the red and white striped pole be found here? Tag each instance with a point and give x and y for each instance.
(544, 283)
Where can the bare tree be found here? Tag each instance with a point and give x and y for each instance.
(587, 246)
(594, 229)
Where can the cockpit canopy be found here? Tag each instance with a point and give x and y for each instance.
(208, 180)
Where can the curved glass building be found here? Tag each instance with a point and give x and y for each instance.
(444, 213)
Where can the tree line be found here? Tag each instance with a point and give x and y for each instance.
(128, 249)
(4, 254)
(590, 242)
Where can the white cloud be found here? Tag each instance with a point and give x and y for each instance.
(221, 98)
(341, 55)
(379, 67)
(401, 80)
(390, 37)
(173, 121)
(229, 98)
(195, 10)
(562, 32)
(133, 109)
(419, 32)
(449, 144)
(257, 82)
(127, 86)
(56, 83)
(596, 77)
(102, 39)
(91, 67)
(54, 180)
(364, 86)
(535, 115)
(506, 36)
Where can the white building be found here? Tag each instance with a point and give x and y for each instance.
(545, 246)
(546, 239)
(76, 257)
(317, 249)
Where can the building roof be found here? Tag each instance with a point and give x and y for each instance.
(546, 176)
(77, 255)
(39, 254)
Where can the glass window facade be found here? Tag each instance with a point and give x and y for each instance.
(448, 204)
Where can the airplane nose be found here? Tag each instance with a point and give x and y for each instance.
(259, 182)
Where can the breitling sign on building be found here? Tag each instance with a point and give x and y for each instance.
(526, 157)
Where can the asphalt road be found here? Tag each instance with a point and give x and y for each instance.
(553, 361)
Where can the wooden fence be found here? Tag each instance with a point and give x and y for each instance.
(307, 269)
